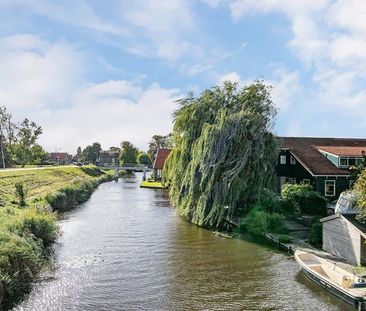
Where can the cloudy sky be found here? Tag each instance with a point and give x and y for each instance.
(110, 70)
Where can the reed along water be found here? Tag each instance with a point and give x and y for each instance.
(126, 249)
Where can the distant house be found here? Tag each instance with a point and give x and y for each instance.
(345, 237)
(159, 162)
(320, 162)
(107, 158)
(60, 157)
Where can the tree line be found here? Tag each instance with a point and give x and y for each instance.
(127, 151)
(18, 141)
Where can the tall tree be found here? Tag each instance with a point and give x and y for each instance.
(128, 153)
(157, 142)
(28, 134)
(224, 152)
(7, 136)
(91, 152)
(79, 154)
(143, 158)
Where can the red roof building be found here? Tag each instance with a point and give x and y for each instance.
(159, 162)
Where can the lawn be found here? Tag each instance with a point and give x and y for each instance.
(40, 182)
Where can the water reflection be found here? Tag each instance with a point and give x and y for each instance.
(125, 249)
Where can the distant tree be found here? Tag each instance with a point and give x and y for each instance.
(128, 153)
(114, 149)
(79, 154)
(27, 136)
(157, 142)
(7, 137)
(91, 152)
(143, 158)
(38, 155)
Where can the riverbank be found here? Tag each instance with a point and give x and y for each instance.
(28, 229)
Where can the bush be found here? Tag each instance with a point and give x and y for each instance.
(20, 192)
(304, 198)
(78, 192)
(316, 234)
(259, 222)
(269, 202)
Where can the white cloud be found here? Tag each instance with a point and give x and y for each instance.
(164, 26)
(45, 81)
(35, 73)
(329, 38)
(78, 13)
(110, 112)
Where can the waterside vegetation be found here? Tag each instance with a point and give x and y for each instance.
(28, 226)
(223, 152)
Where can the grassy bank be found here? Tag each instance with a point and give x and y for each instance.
(26, 232)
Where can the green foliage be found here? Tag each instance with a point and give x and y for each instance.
(269, 202)
(24, 234)
(284, 238)
(224, 152)
(77, 192)
(28, 134)
(359, 188)
(259, 222)
(128, 153)
(21, 192)
(40, 182)
(157, 142)
(316, 234)
(91, 152)
(304, 199)
(143, 158)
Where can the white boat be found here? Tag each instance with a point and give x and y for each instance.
(338, 281)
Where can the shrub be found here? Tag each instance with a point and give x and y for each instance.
(269, 202)
(78, 192)
(316, 234)
(21, 258)
(304, 198)
(259, 222)
(20, 192)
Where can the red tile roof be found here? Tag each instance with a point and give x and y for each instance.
(344, 151)
(160, 158)
(306, 151)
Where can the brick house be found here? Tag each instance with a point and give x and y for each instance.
(60, 157)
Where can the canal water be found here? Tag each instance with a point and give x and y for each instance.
(126, 249)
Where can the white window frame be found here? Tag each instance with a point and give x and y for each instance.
(292, 160)
(283, 159)
(325, 188)
(343, 165)
(293, 180)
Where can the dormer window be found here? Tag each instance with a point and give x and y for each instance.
(282, 159)
(292, 160)
(343, 162)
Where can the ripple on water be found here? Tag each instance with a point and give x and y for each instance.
(125, 249)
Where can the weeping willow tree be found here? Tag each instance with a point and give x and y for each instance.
(224, 152)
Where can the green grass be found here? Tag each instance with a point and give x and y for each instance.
(41, 182)
(151, 184)
(26, 232)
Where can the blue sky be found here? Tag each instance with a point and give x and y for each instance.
(111, 70)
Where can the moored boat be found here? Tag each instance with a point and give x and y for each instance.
(330, 276)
